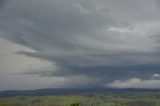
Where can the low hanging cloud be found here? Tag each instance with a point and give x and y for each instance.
(152, 82)
(136, 83)
(102, 40)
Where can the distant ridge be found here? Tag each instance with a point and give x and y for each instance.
(56, 91)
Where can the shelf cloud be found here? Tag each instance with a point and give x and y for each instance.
(97, 42)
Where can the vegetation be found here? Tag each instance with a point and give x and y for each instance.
(96, 99)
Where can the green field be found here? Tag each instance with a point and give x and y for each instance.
(94, 99)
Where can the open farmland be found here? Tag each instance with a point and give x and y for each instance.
(88, 99)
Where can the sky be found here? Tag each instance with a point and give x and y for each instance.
(79, 44)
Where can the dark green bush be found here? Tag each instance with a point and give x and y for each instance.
(74, 104)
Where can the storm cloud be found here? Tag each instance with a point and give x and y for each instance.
(96, 42)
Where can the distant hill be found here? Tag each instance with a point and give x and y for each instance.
(44, 92)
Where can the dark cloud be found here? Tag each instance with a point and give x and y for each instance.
(2, 3)
(103, 74)
(105, 40)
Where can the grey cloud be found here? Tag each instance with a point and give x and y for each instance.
(1, 2)
(101, 75)
(136, 83)
(105, 40)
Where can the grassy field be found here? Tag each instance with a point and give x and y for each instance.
(95, 99)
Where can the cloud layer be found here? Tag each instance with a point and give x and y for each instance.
(95, 42)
